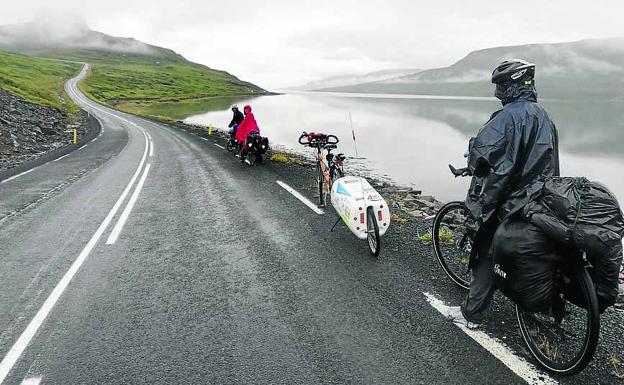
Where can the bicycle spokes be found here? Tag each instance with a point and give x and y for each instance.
(558, 342)
(452, 243)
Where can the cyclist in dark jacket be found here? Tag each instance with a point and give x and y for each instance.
(508, 159)
(236, 119)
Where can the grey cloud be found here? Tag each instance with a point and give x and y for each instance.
(282, 42)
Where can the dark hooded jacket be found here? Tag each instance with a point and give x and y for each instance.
(236, 119)
(511, 155)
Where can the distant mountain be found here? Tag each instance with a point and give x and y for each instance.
(37, 39)
(347, 80)
(584, 69)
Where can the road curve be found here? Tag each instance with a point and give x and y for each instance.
(152, 256)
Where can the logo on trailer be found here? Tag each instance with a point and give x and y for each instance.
(499, 271)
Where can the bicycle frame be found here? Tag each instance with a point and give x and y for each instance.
(324, 167)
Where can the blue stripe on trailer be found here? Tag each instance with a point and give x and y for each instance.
(341, 190)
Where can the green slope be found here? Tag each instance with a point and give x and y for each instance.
(38, 81)
(126, 73)
(141, 84)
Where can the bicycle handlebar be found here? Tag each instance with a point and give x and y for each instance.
(317, 140)
(459, 171)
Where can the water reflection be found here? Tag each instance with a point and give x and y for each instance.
(412, 140)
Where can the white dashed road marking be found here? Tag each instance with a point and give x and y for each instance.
(31, 381)
(303, 199)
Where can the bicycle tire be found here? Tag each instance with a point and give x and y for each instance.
(373, 239)
(320, 181)
(435, 238)
(592, 332)
(250, 157)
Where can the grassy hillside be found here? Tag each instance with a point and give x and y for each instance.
(142, 84)
(160, 82)
(125, 73)
(37, 80)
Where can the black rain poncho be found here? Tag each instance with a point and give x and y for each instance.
(511, 155)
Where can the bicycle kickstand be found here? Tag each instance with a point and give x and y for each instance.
(334, 226)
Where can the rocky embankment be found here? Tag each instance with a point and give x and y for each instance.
(28, 130)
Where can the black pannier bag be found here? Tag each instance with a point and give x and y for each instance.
(253, 137)
(526, 264)
(583, 215)
(260, 143)
(264, 145)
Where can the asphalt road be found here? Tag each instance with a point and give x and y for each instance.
(152, 256)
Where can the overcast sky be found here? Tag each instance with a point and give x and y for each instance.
(281, 43)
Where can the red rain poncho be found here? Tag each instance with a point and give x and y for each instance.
(247, 126)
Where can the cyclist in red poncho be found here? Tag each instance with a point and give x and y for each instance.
(247, 126)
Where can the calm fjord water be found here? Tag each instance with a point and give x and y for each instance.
(411, 140)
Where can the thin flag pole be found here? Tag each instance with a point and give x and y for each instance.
(357, 156)
(353, 135)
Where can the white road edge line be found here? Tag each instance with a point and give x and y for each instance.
(220, 146)
(151, 151)
(112, 238)
(18, 175)
(303, 199)
(28, 334)
(64, 156)
(518, 365)
(206, 139)
(31, 381)
(82, 147)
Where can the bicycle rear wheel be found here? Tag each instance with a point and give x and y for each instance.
(565, 346)
(372, 230)
(250, 157)
(451, 243)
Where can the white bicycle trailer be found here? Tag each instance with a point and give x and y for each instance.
(362, 209)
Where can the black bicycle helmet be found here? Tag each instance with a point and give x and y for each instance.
(513, 71)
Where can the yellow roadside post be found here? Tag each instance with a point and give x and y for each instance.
(75, 136)
(209, 129)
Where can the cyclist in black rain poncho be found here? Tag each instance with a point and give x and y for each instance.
(237, 118)
(509, 158)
